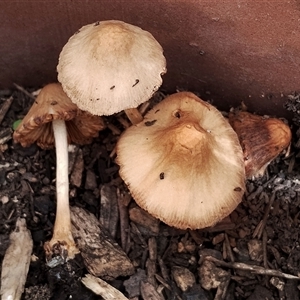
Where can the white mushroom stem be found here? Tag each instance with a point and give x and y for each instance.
(62, 228)
(134, 115)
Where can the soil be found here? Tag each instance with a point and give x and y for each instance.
(228, 261)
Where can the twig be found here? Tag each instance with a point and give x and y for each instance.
(252, 268)
(124, 222)
(21, 89)
(261, 226)
(228, 248)
(5, 107)
(264, 243)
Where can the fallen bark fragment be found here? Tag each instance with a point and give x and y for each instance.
(101, 254)
(16, 262)
(102, 288)
(109, 213)
(183, 277)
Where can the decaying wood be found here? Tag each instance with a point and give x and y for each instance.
(101, 254)
(102, 288)
(16, 262)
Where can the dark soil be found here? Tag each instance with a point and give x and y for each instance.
(263, 231)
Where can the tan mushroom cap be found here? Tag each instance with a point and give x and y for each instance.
(183, 163)
(110, 66)
(262, 139)
(53, 104)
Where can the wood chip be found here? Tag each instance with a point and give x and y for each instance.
(109, 213)
(77, 170)
(149, 292)
(211, 276)
(102, 288)
(183, 277)
(141, 217)
(16, 262)
(101, 254)
(255, 250)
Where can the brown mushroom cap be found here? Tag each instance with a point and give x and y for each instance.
(53, 104)
(183, 163)
(110, 66)
(262, 139)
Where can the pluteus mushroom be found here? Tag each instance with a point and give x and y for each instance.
(110, 66)
(54, 120)
(183, 163)
(262, 139)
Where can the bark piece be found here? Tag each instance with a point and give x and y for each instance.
(109, 213)
(211, 276)
(149, 292)
(101, 254)
(183, 277)
(16, 262)
(140, 216)
(77, 170)
(102, 288)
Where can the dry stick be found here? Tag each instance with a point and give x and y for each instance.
(124, 222)
(21, 89)
(5, 107)
(252, 268)
(261, 226)
(228, 248)
(264, 243)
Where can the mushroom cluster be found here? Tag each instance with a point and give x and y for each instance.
(183, 163)
(104, 68)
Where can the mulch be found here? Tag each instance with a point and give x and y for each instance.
(252, 254)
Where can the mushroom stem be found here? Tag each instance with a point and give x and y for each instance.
(62, 235)
(134, 115)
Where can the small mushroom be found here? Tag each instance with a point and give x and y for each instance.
(110, 66)
(183, 163)
(54, 119)
(262, 139)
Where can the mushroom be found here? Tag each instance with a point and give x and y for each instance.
(110, 66)
(187, 168)
(54, 119)
(262, 139)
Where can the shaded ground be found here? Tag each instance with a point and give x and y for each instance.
(169, 264)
